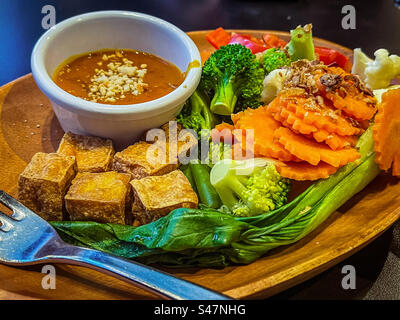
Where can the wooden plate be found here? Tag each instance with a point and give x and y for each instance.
(28, 125)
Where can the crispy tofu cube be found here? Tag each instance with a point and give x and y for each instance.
(156, 196)
(144, 159)
(182, 141)
(102, 197)
(93, 154)
(44, 182)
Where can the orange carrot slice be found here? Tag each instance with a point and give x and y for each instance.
(222, 132)
(302, 171)
(264, 125)
(325, 119)
(334, 141)
(349, 97)
(290, 120)
(314, 152)
(386, 132)
(321, 116)
(354, 106)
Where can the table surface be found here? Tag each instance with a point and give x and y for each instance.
(377, 26)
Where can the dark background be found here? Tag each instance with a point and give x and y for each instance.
(377, 22)
(377, 26)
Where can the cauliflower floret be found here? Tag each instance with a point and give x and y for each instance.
(273, 83)
(377, 73)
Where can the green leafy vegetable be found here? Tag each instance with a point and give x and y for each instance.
(233, 75)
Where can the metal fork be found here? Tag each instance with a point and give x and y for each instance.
(27, 239)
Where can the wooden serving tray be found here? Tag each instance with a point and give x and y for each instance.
(28, 125)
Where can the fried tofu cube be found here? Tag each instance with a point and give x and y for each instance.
(44, 182)
(184, 139)
(180, 141)
(156, 196)
(144, 159)
(100, 196)
(93, 154)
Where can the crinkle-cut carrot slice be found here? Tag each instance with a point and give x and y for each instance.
(222, 133)
(320, 116)
(333, 140)
(289, 120)
(386, 132)
(336, 142)
(349, 98)
(236, 116)
(297, 123)
(314, 152)
(330, 122)
(353, 106)
(264, 125)
(302, 171)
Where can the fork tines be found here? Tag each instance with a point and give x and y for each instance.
(18, 209)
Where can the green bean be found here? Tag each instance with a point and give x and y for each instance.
(207, 193)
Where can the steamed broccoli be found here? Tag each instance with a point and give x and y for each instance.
(233, 74)
(301, 45)
(249, 187)
(196, 113)
(274, 58)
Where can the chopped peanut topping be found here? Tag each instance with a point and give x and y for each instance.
(120, 77)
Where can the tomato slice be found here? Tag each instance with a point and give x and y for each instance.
(330, 56)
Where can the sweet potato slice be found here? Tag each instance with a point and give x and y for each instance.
(314, 152)
(302, 171)
(386, 132)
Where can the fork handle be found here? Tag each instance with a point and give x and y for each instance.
(158, 282)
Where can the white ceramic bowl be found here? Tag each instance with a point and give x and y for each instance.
(114, 29)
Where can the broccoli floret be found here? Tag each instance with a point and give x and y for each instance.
(378, 73)
(249, 187)
(274, 58)
(233, 75)
(196, 113)
(301, 45)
